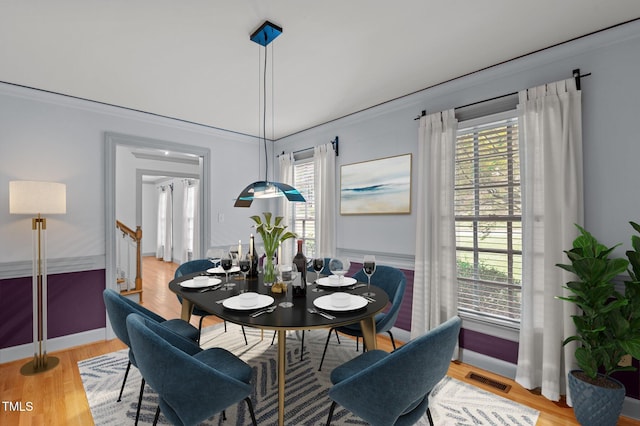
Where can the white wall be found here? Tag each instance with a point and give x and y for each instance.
(611, 107)
(149, 218)
(126, 187)
(49, 137)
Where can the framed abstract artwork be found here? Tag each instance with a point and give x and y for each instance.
(381, 186)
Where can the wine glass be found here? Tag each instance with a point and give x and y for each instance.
(215, 255)
(227, 263)
(318, 266)
(286, 274)
(369, 268)
(245, 265)
(339, 267)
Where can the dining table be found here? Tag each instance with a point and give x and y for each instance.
(314, 310)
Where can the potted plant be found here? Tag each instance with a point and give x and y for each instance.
(272, 235)
(607, 327)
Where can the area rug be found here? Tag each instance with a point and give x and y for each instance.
(452, 402)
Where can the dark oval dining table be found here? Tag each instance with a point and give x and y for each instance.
(281, 319)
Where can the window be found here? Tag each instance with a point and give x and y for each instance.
(304, 214)
(488, 217)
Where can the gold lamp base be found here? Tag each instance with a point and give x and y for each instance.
(39, 365)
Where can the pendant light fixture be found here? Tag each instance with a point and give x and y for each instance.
(265, 188)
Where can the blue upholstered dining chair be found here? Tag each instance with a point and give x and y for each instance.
(393, 388)
(190, 267)
(393, 282)
(118, 308)
(192, 384)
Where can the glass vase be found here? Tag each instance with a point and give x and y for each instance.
(269, 270)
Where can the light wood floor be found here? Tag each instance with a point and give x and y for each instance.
(57, 397)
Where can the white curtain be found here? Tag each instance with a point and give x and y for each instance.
(552, 200)
(167, 241)
(196, 220)
(324, 158)
(286, 176)
(191, 222)
(162, 208)
(435, 285)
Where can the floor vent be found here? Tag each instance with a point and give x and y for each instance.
(489, 382)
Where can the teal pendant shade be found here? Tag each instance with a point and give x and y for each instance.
(266, 189)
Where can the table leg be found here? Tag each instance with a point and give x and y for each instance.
(368, 327)
(282, 352)
(187, 307)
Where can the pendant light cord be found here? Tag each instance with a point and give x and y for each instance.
(264, 116)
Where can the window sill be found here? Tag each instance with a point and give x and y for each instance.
(492, 327)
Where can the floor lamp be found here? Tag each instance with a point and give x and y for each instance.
(38, 198)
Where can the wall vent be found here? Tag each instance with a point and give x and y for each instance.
(489, 382)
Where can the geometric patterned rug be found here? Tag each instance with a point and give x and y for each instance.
(452, 402)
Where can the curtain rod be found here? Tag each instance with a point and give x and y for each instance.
(335, 143)
(575, 74)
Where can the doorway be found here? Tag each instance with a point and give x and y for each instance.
(127, 160)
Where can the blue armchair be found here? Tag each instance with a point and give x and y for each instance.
(174, 367)
(198, 265)
(393, 388)
(393, 282)
(118, 308)
(190, 267)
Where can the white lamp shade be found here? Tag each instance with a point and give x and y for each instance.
(31, 197)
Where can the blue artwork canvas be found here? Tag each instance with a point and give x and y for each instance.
(380, 186)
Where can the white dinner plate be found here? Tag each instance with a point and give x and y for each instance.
(234, 302)
(326, 303)
(219, 270)
(327, 282)
(192, 284)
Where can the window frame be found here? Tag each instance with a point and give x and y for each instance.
(308, 242)
(485, 322)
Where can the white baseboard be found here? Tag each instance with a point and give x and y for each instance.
(497, 366)
(631, 408)
(26, 351)
(400, 334)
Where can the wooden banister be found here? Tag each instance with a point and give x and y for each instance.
(137, 237)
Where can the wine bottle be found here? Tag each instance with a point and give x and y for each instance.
(300, 289)
(253, 272)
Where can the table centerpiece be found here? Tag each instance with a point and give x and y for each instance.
(272, 235)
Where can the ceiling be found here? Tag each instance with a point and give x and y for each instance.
(192, 60)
